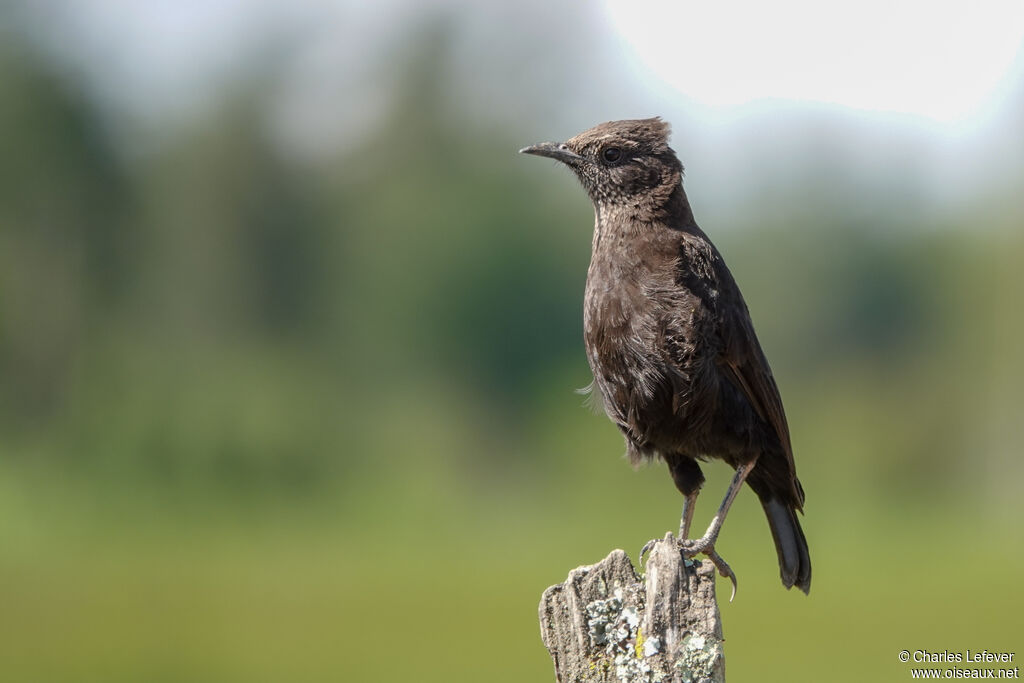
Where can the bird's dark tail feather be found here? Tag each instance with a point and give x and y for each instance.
(794, 559)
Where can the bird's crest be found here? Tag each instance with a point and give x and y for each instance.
(651, 134)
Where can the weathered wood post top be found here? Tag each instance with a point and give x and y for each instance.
(608, 624)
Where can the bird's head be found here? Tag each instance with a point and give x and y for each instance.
(620, 163)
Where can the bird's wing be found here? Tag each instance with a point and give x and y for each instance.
(740, 358)
(745, 365)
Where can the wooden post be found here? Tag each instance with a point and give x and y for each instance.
(608, 624)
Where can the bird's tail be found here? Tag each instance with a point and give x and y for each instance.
(794, 559)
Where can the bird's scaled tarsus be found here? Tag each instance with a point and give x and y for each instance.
(706, 543)
(689, 505)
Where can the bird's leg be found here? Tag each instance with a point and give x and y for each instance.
(688, 479)
(706, 543)
(711, 535)
(689, 505)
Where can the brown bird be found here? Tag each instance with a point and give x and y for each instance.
(670, 341)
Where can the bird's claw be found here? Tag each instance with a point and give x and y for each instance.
(724, 569)
(646, 549)
(650, 545)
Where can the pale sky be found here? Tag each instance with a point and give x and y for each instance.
(935, 58)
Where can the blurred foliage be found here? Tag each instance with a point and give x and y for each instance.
(244, 395)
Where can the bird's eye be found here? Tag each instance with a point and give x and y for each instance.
(612, 154)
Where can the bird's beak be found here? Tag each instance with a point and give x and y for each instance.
(555, 150)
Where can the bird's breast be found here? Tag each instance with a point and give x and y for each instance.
(620, 334)
(644, 336)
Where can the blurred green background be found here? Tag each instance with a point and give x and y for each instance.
(289, 336)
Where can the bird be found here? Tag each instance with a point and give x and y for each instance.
(676, 363)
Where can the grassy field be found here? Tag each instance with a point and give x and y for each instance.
(117, 588)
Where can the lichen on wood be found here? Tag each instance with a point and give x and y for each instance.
(607, 624)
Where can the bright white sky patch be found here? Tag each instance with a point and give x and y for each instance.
(929, 57)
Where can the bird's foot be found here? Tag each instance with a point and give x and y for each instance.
(706, 546)
(692, 549)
